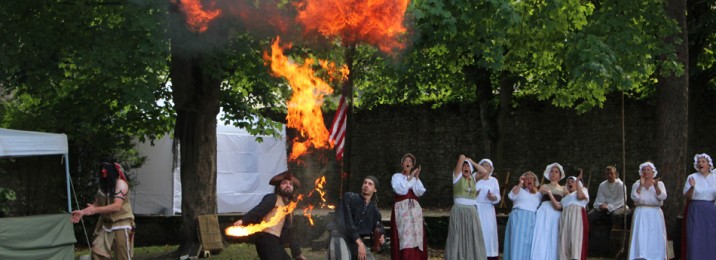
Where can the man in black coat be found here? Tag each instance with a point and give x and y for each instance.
(270, 242)
(357, 216)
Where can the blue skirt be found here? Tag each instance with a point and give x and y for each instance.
(700, 230)
(518, 234)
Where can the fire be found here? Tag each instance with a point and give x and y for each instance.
(308, 211)
(196, 17)
(376, 22)
(304, 106)
(281, 212)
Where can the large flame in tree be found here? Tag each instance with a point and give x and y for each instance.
(196, 17)
(376, 22)
(281, 212)
(304, 107)
(308, 211)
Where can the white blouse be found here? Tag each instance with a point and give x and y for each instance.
(571, 199)
(611, 194)
(705, 186)
(525, 200)
(648, 197)
(490, 185)
(401, 185)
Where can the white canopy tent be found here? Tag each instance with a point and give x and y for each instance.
(16, 143)
(244, 168)
(41, 236)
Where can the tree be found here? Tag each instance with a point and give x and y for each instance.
(672, 110)
(572, 53)
(209, 70)
(64, 71)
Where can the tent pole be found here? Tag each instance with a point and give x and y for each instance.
(67, 179)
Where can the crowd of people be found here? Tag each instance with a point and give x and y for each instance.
(547, 221)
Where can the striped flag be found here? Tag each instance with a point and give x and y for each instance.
(338, 128)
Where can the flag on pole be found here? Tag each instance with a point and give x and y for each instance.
(338, 128)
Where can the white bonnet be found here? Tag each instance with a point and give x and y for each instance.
(575, 178)
(472, 168)
(488, 161)
(549, 168)
(702, 155)
(534, 176)
(641, 167)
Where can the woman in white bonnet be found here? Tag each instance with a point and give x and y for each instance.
(574, 225)
(488, 196)
(648, 232)
(700, 192)
(546, 235)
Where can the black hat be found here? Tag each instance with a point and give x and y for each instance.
(373, 179)
(276, 180)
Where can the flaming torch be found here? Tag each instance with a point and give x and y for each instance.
(281, 212)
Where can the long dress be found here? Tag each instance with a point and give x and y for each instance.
(546, 232)
(464, 239)
(406, 221)
(574, 227)
(486, 212)
(700, 215)
(648, 231)
(521, 225)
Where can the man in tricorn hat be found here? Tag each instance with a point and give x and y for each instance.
(357, 216)
(270, 241)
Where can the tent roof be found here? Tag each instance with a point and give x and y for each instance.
(26, 143)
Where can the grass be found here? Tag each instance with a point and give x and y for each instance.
(243, 251)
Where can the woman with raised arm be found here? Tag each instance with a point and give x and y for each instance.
(574, 224)
(464, 239)
(549, 212)
(406, 221)
(700, 191)
(648, 230)
(488, 195)
(521, 222)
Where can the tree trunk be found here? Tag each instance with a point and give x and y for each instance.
(196, 100)
(507, 89)
(672, 128)
(480, 77)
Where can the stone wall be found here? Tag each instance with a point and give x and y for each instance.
(536, 135)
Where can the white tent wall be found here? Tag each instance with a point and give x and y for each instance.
(244, 168)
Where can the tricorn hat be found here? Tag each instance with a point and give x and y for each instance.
(276, 180)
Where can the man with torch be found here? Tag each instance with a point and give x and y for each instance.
(272, 219)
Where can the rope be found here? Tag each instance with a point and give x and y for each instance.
(74, 193)
(624, 236)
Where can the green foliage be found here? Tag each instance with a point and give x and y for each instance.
(571, 52)
(6, 195)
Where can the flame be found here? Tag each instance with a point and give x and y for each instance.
(376, 22)
(281, 212)
(304, 106)
(308, 211)
(196, 17)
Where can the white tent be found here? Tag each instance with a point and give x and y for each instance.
(244, 168)
(42, 236)
(16, 143)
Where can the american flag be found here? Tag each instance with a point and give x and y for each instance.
(338, 128)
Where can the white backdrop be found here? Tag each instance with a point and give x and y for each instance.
(244, 168)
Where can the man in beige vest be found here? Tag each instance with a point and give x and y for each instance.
(115, 228)
(270, 241)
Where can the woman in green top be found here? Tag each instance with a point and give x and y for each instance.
(465, 239)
